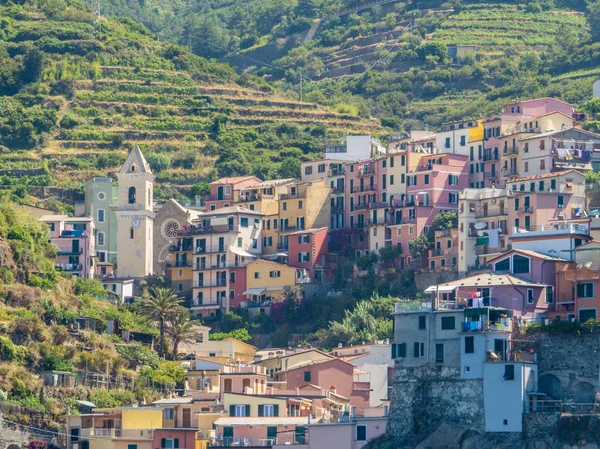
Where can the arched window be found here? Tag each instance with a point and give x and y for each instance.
(245, 383)
(227, 386)
(131, 195)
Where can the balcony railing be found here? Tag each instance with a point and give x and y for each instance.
(366, 171)
(490, 213)
(490, 157)
(337, 209)
(371, 205)
(207, 303)
(290, 196)
(368, 188)
(199, 229)
(336, 172)
(379, 221)
(559, 228)
(511, 171)
(181, 248)
(69, 266)
(179, 264)
(211, 283)
(73, 234)
(399, 221)
(526, 210)
(511, 150)
(490, 175)
(291, 228)
(282, 246)
(437, 252)
(211, 249)
(287, 440)
(69, 252)
(504, 325)
(144, 434)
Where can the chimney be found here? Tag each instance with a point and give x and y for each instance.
(435, 299)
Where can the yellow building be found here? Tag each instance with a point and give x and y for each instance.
(305, 205)
(266, 280)
(114, 428)
(253, 406)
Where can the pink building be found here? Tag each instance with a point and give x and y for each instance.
(260, 431)
(308, 250)
(75, 243)
(492, 129)
(444, 255)
(352, 434)
(251, 379)
(537, 107)
(237, 285)
(334, 374)
(366, 198)
(174, 438)
(225, 191)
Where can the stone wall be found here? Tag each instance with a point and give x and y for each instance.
(427, 278)
(424, 398)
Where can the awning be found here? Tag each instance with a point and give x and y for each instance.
(482, 241)
(569, 184)
(241, 252)
(441, 288)
(254, 291)
(274, 289)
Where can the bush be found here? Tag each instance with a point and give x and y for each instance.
(112, 399)
(158, 162)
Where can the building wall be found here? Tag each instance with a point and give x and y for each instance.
(140, 418)
(253, 402)
(264, 268)
(101, 193)
(187, 438)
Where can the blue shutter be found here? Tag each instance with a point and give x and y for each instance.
(276, 410)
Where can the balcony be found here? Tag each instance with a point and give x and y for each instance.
(510, 150)
(366, 171)
(371, 205)
(179, 264)
(525, 210)
(551, 229)
(438, 252)
(282, 246)
(281, 439)
(291, 196)
(369, 188)
(207, 303)
(379, 221)
(336, 172)
(181, 248)
(400, 221)
(139, 434)
(199, 229)
(211, 283)
(69, 267)
(340, 189)
(582, 274)
(490, 213)
(292, 228)
(74, 233)
(511, 171)
(211, 249)
(502, 325)
(490, 157)
(490, 175)
(69, 252)
(249, 197)
(337, 209)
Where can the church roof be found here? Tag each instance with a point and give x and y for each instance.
(137, 160)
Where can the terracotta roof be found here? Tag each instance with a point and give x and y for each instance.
(235, 209)
(491, 280)
(234, 180)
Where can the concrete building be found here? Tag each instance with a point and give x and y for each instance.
(75, 244)
(225, 191)
(333, 172)
(354, 433)
(101, 203)
(308, 252)
(444, 255)
(267, 281)
(123, 288)
(355, 148)
(457, 137)
(135, 216)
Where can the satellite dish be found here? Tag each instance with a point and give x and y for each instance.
(480, 225)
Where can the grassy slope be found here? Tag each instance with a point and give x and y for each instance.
(126, 88)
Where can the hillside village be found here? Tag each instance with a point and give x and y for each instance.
(495, 210)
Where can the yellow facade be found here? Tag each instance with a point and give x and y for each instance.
(253, 401)
(476, 132)
(140, 418)
(265, 274)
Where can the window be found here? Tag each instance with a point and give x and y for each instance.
(100, 215)
(586, 314)
(304, 239)
(391, 162)
(306, 376)
(131, 195)
(561, 201)
(553, 184)
(585, 290)
(543, 164)
(469, 345)
(426, 179)
(134, 446)
(275, 274)
(439, 353)
(529, 296)
(100, 238)
(257, 275)
(453, 180)
(418, 349)
(267, 241)
(232, 277)
(361, 432)
(321, 168)
(509, 372)
(299, 204)
(447, 144)
(244, 222)
(526, 167)
(402, 178)
(131, 233)
(303, 257)
(541, 186)
(268, 410)
(520, 264)
(227, 385)
(448, 323)
(391, 180)
(463, 140)
(74, 434)
(503, 265)
(308, 170)
(549, 294)
(284, 205)
(453, 198)
(399, 351)
(239, 410)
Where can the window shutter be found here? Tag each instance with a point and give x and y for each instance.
(402, 350)
(247, 409)
(163, 442)
(232, 410)
(416, 350)
(276, 410)
(580, 290)
(176, 443)
(261, 410)
(393, 350)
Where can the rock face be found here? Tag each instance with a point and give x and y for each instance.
(12, 439)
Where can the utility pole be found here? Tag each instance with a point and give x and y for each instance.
(300, 85)
(97, 26)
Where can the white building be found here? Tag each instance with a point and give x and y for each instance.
(119, 286)
(356, 148)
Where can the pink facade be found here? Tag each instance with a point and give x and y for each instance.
(346, 435)
(333, 374)
(248, 379)
(75, 244)
(225, 191)
(237, 286)
(311, 241)
(537, 107)
(530, 210)
(256, 435)
(491, 152)
(366, 198)
(444, 254)
(186, 438)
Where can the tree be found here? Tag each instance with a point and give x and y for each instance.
(442, 222)
(289, 168)
(183, 330)
(158, 162)
(593, 17)
(160, 307)
(33, 63)
(200, 188)
(419, 246)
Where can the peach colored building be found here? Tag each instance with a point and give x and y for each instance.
(444, 255)
(260, 431)
(249, 379)
(352, 434)
(224, 191)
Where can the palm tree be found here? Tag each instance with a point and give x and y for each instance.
(183, 330)
(160, 307)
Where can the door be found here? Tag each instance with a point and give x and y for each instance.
(527, 221)
(300, 435)
(187, 418)
(75, 246)
(272, 433)
(221, 243)
(220, 195)
(499, 347)
(227, 435)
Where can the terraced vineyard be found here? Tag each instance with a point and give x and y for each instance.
(105, 94)
(497, 26)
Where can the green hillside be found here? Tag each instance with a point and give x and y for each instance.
(391, 60)
(73, 102)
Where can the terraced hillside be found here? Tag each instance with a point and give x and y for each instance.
(100, 94)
